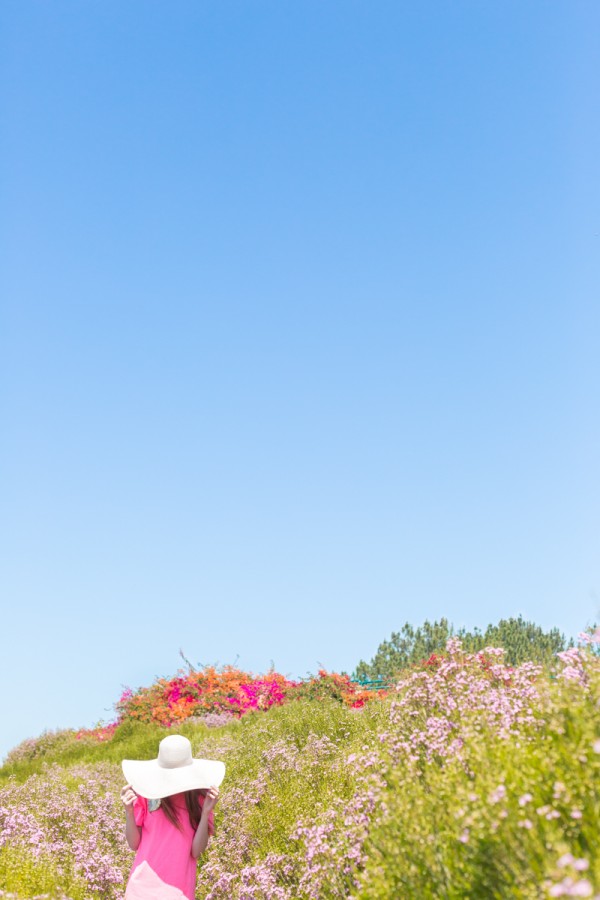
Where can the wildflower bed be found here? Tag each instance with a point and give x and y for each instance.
(471, 779)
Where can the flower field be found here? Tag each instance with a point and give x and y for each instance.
(470, 778)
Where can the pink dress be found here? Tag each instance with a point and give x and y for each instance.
(164, 868)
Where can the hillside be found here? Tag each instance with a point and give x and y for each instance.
(472, 778)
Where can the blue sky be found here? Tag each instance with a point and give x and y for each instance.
(298, 337)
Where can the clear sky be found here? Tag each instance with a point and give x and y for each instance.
(298, 333)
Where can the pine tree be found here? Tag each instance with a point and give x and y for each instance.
(521, 640)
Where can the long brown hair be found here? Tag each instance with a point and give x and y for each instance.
(193, 807)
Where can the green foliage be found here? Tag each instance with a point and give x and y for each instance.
(521, 640)
(25, 877)
(503, 821)
(408, 646)
(131, 740)
(301, 746)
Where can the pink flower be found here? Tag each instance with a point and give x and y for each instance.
(498, 795)
(582, 889)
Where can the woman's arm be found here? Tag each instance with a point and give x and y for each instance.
(200, 842)
(133, 833)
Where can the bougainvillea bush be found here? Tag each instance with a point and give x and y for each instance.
(471, 779)
(212, 691)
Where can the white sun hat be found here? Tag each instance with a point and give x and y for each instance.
(173, 771)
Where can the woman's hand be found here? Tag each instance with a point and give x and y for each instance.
(128, 796)
(211, 799)
(133, 832)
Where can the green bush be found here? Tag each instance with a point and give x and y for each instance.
(506, 820)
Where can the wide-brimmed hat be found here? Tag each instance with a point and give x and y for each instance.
(173, 771)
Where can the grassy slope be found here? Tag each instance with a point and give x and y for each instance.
(444, 831)
(299, 779)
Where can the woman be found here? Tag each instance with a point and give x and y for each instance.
(169, 804)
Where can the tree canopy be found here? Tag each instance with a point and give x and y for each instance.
(521, 640)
